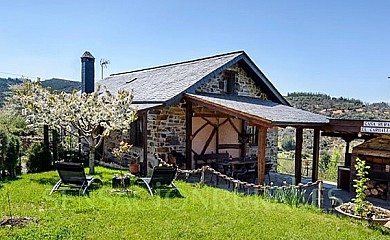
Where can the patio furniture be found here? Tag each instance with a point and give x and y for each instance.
(72, 175)
(205, 159)
(161, 176)
(247, 170)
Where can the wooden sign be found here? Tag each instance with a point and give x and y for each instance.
(375, 127)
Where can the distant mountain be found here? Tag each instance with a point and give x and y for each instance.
(342, 108)
(60, 85)
(4, 87)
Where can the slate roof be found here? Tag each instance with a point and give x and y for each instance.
(167, 84)
(276, 114)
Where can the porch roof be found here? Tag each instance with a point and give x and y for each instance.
(258, 111)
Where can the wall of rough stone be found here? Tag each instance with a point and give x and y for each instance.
(167, 129)
(111, 142)
(244, 85)
(271, 151)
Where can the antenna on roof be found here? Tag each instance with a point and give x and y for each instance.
(103, 64)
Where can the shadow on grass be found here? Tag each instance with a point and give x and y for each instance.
(167, 192)
(46, 181)
(9, 179)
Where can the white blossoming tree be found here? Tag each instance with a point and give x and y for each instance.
(84, 114)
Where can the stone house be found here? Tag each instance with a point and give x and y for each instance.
(222, 103)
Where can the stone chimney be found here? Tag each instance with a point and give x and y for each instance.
(87, 73)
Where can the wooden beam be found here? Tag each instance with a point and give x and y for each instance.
(232, 112)
(188, 135)
(145, 143)
(243, 145)
(316, 155)
(234, 126)
(217, 138)
(262, 143)
(46, 140)
(347, 155)
(206, 145)
(200, 129)
(211, 115)
(298, 155)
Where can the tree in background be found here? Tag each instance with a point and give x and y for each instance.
(11, 127)
(84, 114)
(288, 143)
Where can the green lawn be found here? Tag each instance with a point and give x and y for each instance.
(203, 213)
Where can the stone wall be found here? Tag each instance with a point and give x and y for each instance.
(111, 142)
(244, 85)
(271, 151)
(167, 129)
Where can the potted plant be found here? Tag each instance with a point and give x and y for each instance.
(359, 207)
(120, 153)
(134, 165)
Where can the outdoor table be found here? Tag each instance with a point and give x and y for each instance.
(236, 164)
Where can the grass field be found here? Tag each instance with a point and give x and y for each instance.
(201, 213)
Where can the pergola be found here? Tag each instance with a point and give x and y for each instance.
(263, 115)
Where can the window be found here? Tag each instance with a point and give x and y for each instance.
(229, 82)
(136, 133)
(253, 133)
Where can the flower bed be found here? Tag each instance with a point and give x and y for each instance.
(377, 214)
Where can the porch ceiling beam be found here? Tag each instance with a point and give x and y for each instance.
(223, 109)
(211, 115)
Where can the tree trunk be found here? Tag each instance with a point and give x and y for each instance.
(91, 156)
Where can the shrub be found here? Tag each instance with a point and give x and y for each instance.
(12, 162)
(39, 158)
(288, 144)
(9, 154)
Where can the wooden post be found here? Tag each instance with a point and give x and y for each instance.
(188, 135)
(46, 140)
(243, 144)
(261, 153)
(347, 156)
(316, 155)
(298, 155)
(320, 195)
(145, 143)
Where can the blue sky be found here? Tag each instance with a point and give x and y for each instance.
(340, 48)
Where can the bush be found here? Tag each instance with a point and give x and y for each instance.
(12, 156)
(39, 158)
(9, 154)
(329, 166)
(288, 144)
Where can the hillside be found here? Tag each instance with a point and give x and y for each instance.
(57, 84)
(342, 108)
(4, 87)
(330, 147)
(61, 85)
